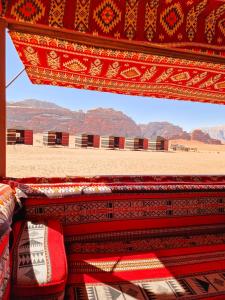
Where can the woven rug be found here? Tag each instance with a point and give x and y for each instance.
(148, 276)
(205, 285)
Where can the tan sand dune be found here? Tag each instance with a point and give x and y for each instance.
(199, 145)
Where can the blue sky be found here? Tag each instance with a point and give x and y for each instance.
(188, 115)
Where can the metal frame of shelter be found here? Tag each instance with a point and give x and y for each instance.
(83, 39)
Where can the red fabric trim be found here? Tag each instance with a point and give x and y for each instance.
(59, 184)
(125, 179)
(4, 243)
(162, 82)
(142, 224)
(31, 201)
(16, 228)
(155, 254)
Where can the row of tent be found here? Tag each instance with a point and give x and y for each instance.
(56, 138)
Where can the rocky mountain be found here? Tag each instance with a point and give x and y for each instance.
(217, 132)
(109, 122)
(164, 129)
(171, 131)
(199, 135)
(41, 116)
(33, 103)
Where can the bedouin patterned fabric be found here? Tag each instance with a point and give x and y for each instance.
(122, 211)
(131, 27)
(177, 252)
(7, 205)
(122, 180)
(39, 260)
(69, 186)
(194, 25)
(59, 190)
(58, 62)
(4, 267)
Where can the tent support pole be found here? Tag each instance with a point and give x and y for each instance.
(2, 98)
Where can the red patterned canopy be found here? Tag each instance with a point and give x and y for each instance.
(161, 48)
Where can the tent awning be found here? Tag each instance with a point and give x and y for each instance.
(166, 49)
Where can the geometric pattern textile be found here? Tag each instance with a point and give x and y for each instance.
(32, 255)
(52, 61)
(39, 260)
(134, 241)
(139, 180)
(180, 271)
(196, 24)
(124, 211)
(114, 36)
(191, 287)
(7, 204)
(58, 190)
(4, 267)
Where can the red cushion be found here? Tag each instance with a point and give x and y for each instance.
(39, 259)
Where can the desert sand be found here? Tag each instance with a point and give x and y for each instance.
(39, 160)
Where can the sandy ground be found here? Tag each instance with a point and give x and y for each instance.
(38, 160)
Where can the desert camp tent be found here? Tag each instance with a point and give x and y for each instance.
(56, 138)
(136, 143)
(112, 142)
(19, 136)
(87, 140)
(158, 144)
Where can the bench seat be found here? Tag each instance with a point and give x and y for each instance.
(159, 239)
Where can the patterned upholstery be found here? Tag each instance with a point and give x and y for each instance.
(101, 189)
(58, 190)
(124, 211)
(39, 261)
(4, 267)
(49, 190)
(7, 205)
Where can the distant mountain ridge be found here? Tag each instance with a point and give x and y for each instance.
(41, 116)
(216, 132)
(53, 117)
(33, 103)
(164, 129)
